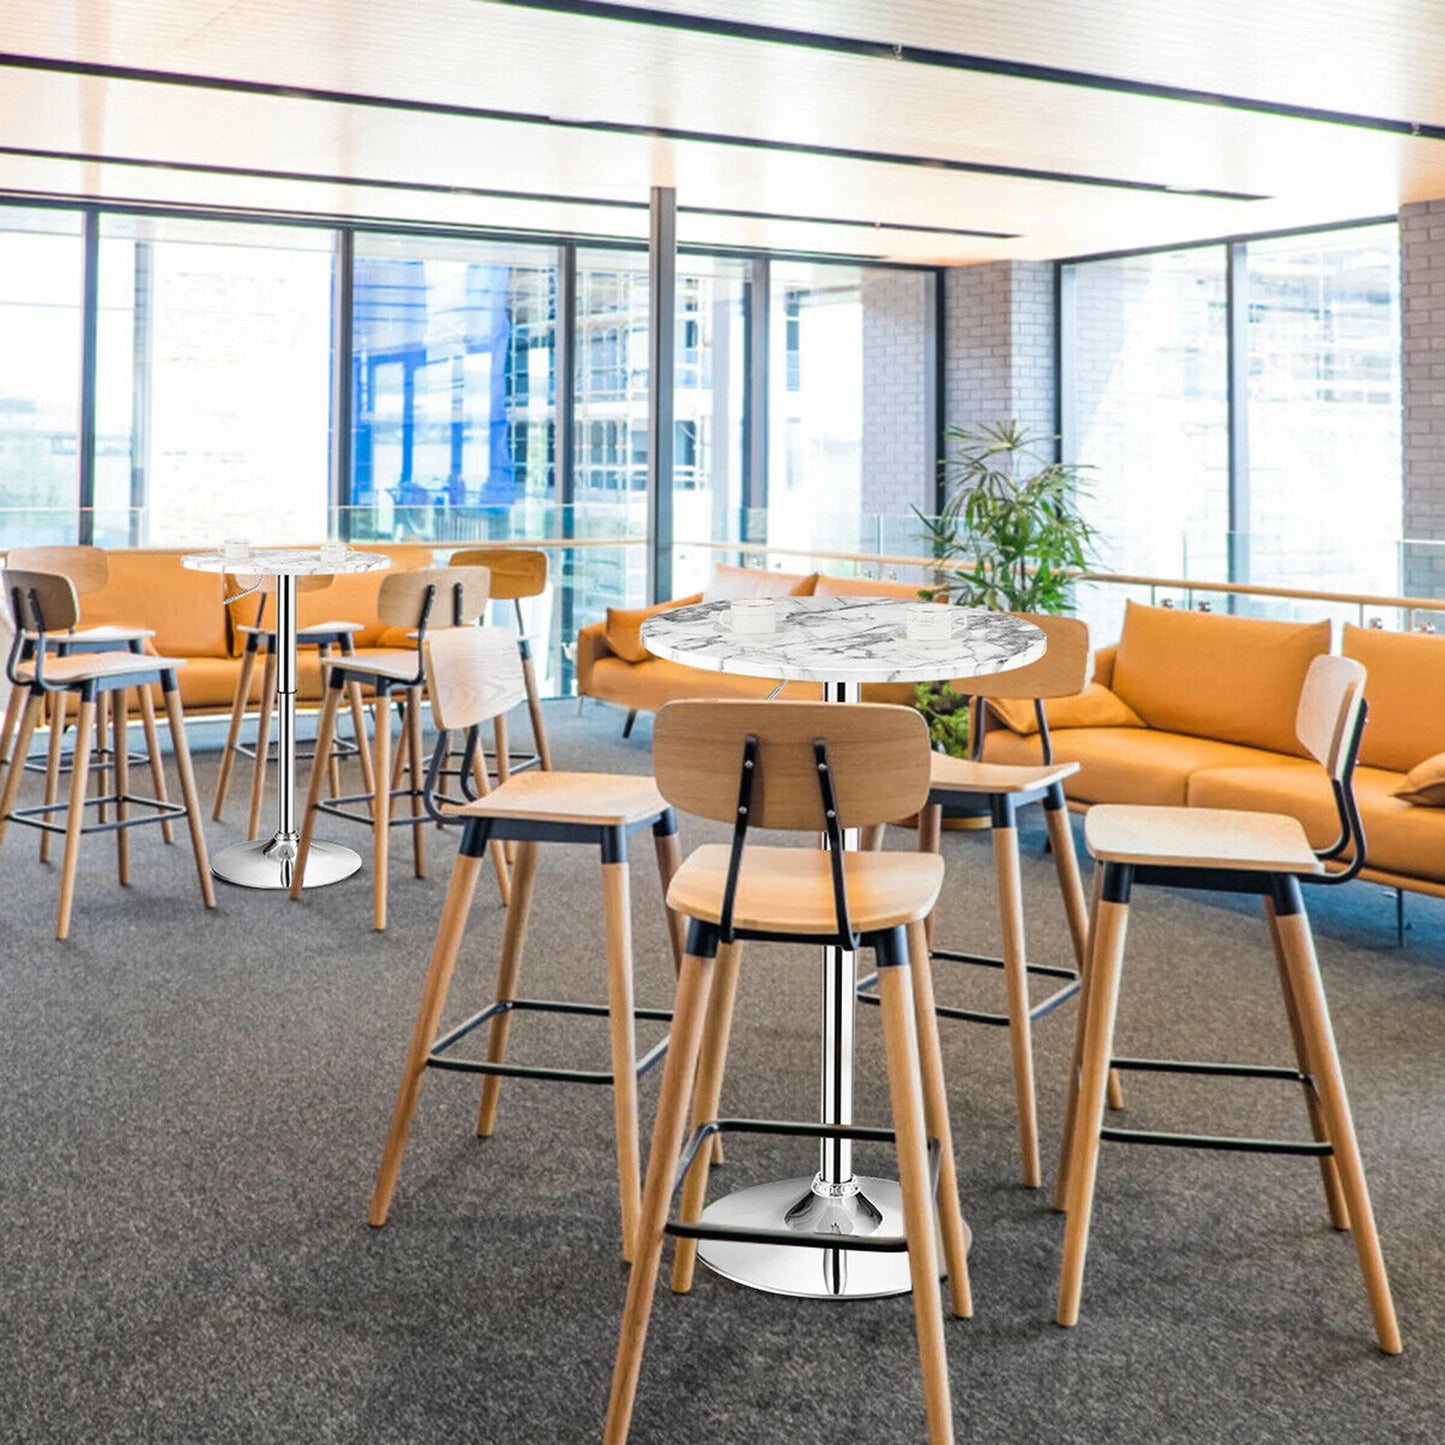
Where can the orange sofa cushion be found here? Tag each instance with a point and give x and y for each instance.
(868, 587)
(148, 587)
(624, 626)
(1126, 765)
(1095, 707)
(1398, 838)
(1233, 679)
(728, 583)
(1405, 688)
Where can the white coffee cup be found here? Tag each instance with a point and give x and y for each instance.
(929, 622)
(235, 549)
(333, 554)
(754, 616)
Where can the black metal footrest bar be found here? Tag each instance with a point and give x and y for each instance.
(1044, 1006)
(1233, 1071)
(161, 813)
(341, 808)
(340, 748)
(796, 1238)
(1215, 1141)
(102, 760)
(437, 1058)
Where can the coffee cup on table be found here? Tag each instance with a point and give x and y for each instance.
(929, 622)
(754, 616)
(236, 549)
(333, 554)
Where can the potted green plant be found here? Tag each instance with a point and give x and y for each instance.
(1010, 536)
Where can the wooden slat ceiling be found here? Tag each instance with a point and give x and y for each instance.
(1011, 129)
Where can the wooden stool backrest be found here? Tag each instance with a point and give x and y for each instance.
(86, 567)
(1061, 672)
(1329, 712)
(41, 601)
(472, 675)
(878, 755)
(403, 596)
(516, 572)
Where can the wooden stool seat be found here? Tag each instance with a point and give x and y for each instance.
(607, 799)
(396, 665)
(89, 638)
(1218, 851)
(790, 890)
(79, 667)
(1199, 838)
(967, 776)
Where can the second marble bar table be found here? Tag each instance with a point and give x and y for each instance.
(269, 862)
(840, 642)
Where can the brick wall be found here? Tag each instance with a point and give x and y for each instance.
(1422, 385)
(897, 449)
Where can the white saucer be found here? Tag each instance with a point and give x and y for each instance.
(930, 644)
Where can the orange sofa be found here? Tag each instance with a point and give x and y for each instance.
(1198, 709)
(612, 663)
(148, 587)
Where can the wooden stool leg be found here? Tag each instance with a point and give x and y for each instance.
(263, 743)
(398, 762)
(363, 746)
(900, 1039)
(871, 838)
(381, 809)
(233, 732)
(534, 709)
(935, 1116)
(75, 817)
(669, 859)
(930, 840)
(707, 1096)
(499, 852)
(513, 938)
(120, 714)
(1071, 888)
(29, 720)
(1076, 1060)
(1304, 973)
(677, 1078)
(1107, 957)
(453, 923)
(14, 709)
(153, 751)
(504, 763)
(617, 918)
(59, 706)
(1329, 1171)
(175, 717)
(325, 731)
(1016, 981)
(416, 761)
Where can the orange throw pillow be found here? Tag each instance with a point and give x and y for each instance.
(1095, 707)
(1424, 784)
(624, 627)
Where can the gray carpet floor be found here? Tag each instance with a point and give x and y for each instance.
(194, 1104)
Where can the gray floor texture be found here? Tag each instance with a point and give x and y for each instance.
(195, 1103)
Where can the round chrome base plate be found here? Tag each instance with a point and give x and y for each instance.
(804, 1272)
(268, 863)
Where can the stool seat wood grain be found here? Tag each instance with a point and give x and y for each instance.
(964, 775)
(1199, 838)
(606, 799)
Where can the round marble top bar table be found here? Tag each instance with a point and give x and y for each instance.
(269, 863)
(841, 642)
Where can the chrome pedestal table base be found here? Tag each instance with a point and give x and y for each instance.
(271, 862)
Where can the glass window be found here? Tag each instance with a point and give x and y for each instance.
(453, 387)
(1150, 416)
(41, 286)
(213, 385)
(1324, 411)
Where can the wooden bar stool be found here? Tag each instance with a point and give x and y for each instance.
(428, 597)
(89, 571)
(473, 674)
(516, 573)
(260, 637)
(1235, 852)
(963, 787)
(819, 767)
(42, 602)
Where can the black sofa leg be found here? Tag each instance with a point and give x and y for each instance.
(627, 726)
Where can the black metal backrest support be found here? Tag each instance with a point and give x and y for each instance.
(457, 619)
(833, 833)
(1352, 827)
(1046, 740)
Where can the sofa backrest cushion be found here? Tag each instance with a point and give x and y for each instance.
(148, 587)
(865, 587)
(728, 583)
(1405, 690)
(1233, 679)
(624, 626)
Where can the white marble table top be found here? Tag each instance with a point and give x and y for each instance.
(285, 562)
(842, 639)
